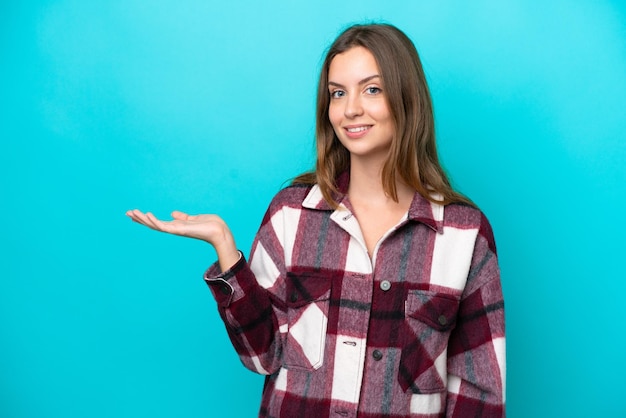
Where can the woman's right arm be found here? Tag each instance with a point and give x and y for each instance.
(249, 295)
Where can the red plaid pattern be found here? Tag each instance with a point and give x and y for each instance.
(417, 331)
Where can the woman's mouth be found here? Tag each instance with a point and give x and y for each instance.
(357, 131)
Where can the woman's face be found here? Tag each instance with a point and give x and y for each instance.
(358, 109)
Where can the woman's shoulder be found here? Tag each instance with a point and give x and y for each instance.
(465, 216)
(463, 213)
(291, 196)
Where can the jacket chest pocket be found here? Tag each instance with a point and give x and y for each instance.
(308, 299)
(429, 319)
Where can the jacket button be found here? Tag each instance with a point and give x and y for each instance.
(225, 290)
(442, 320)
(377, 354)
(385, 285)
(293, 297)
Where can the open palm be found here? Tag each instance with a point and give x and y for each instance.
(209, 228)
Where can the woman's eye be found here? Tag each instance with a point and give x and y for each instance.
(336, 94)
(373, 90)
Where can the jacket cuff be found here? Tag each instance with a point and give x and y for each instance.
(225, 286)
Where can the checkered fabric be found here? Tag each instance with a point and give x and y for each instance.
(415, 331)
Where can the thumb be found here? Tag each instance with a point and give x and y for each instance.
(181, 216)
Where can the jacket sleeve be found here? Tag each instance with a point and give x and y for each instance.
(250, 297)
(476, 349)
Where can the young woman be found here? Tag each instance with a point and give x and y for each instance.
(373, 288)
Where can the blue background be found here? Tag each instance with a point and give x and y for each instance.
(209, 107)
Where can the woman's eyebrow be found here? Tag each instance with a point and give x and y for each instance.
(364, 81)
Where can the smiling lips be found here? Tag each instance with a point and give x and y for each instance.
(357, 131)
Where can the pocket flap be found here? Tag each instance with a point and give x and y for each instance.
(438, 310)
(306, 286)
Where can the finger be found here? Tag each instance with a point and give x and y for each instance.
(136, 216)
(181, 216)
(175, 227)
(154, 222)
(131, 213)
(143, 219)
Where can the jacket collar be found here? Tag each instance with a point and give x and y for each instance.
(421, 209)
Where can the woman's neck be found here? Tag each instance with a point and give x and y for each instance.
(376, 211)
(366, 185)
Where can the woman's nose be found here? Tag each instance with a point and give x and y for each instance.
(354, 107)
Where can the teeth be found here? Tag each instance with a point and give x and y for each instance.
(359, 129)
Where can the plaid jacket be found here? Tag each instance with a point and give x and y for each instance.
(415, 331)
